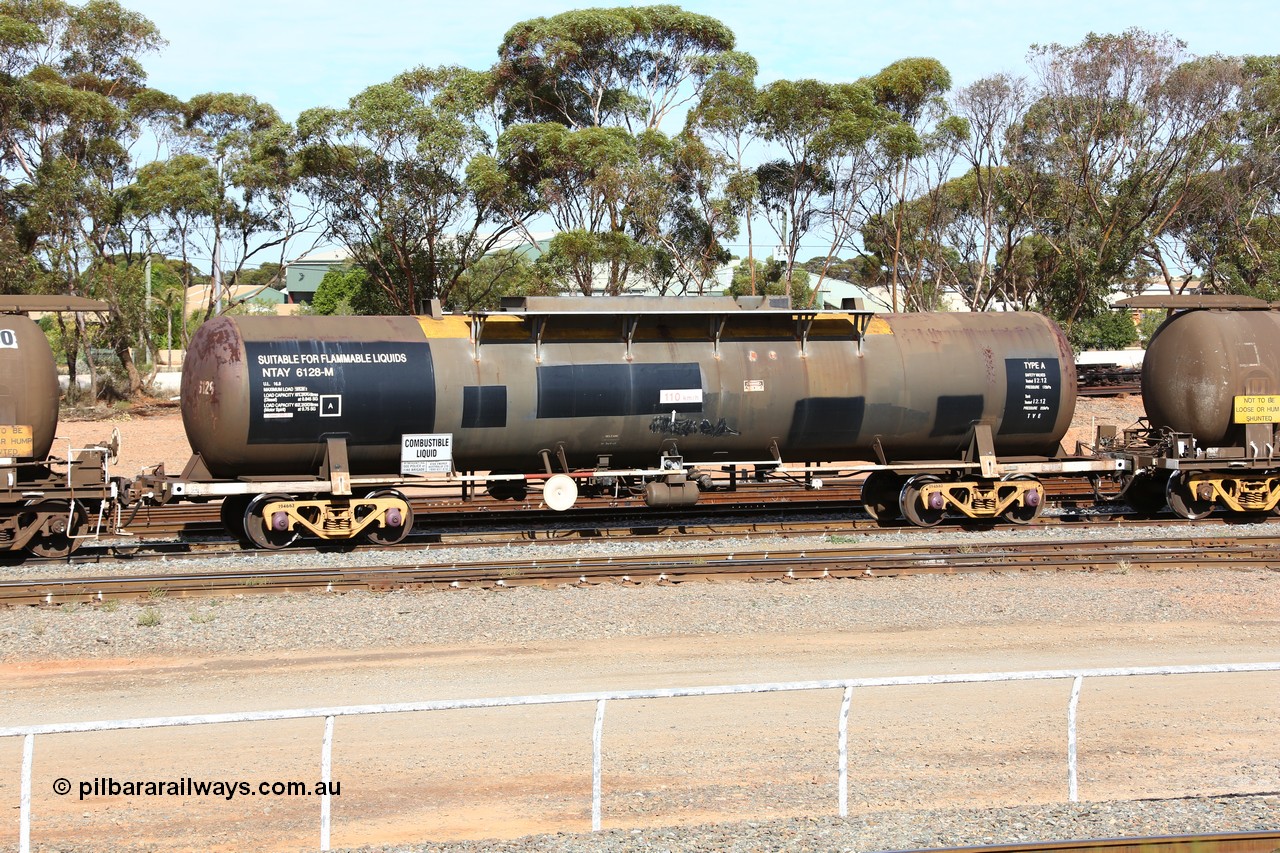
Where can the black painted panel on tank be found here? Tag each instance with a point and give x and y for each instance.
(955, 414)
(1033, 395)
(369, 391)
(826, 422)
(613, 390)
(484, 406)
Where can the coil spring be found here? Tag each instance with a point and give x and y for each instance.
(337, 523)
(1253, 500)
(984, 504)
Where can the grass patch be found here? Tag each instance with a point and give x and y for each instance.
(149, 618)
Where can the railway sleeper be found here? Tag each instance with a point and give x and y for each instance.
(1019, 500)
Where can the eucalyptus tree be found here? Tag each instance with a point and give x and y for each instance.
(794, 117)
(1231, 226)
(993, 205)
(409, 179)
(723, 120)
(628, 67)
(915, 153)
(70, 84)
(1120, 129)
(232, 184)
(583, 180)
(585, 94)
(684, 212)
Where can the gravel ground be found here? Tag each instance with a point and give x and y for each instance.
(908, 830)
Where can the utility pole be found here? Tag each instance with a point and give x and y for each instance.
(146, 313)
(216, 280)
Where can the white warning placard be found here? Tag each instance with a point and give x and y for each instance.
(680, 395)
(426, 453)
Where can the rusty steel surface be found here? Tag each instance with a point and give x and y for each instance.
(25, 303)
(260, 395)
(1199, 361)
(28, 382)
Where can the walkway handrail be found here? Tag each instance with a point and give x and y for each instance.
(846, 685)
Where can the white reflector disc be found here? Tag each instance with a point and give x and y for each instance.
(560, 492)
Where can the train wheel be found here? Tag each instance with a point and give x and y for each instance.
(1029, 511)
(60, 541)
(880, 495)
(261, 531)
(913, 506)
(1146, 493)
(231, 515)
(507, 490)
(395, 527)
(1183, 502)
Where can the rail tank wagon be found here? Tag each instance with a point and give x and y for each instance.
(1211, 389)
(45, 502)
(1200, 361)
(28, 390)
(562, 383)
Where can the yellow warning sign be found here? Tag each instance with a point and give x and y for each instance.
(16, 440)
(1258, 409)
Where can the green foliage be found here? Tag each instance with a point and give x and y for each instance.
(499, 274)
(1106, 330)
(596, 67)
(408, 181)
(348, 290)
(1148, 324)
(770, 281)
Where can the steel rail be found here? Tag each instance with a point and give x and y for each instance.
(1245, 553)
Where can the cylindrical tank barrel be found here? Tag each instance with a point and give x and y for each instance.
(261, 395)
(1199, 361)
(29, 390)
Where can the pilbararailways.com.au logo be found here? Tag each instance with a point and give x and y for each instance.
(107, 786)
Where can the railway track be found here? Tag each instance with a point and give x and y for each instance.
(837, 562)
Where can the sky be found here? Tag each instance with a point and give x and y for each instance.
(297, 54)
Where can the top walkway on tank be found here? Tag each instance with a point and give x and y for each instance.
(1192, 301)
(622, 305)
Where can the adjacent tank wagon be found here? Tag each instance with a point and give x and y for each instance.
(1211, 389)
(48, 503)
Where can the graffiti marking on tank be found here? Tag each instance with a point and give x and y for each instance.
(668, 425)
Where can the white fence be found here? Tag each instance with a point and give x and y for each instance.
(1077, 676)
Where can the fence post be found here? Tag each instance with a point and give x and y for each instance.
(24, 802)
(326, 772)
(843, 741)
(597, 734)
(1072, 782)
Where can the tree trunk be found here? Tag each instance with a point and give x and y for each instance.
(70, 348)
(82, 333)
(131, 370)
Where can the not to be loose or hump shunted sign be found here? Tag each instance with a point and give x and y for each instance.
(426, 453)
